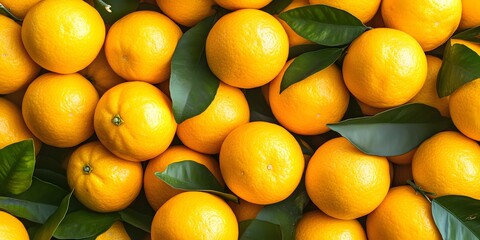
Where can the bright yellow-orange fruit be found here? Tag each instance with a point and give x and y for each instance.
(19, 8)
(205, 132)
(194, 216)
(140, 46)
(242, 4)
(363, 9)
(403, 214)
(247, 48)
(448, 163)
(11, 228)
(345, 183)
(261, 162)
(187, 12)
(293, 38)
(115, 232)
(465, 109)
(306, 107)
(134, 120)
(59, 108)
(102, 181)
(63, 36)
(245, 210)
(384, 68)
(470, 17)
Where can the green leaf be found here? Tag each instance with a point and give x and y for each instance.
(192, 85)
(460, 65)
(32, 211)
(471, 35)
(457, 217)
(17, 162)
(53, 177)
(259, 109)
(276, 6)
(137, 219)
(308, 64)
(324, 25)
(298, 50)
(112, 10)
(258, 229)
(191, 176)
(394, 131)
(46, 231)
(85, 224)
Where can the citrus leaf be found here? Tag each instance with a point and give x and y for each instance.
(191, 176)
(394, 131)
(324, 25)
(32, 211)
(309, 63)
(457, 217)
(258, 229)
(460, 65)
(46, 231)
(85, 224)
(112, 10)
(52, 177)
(298, 50)
(42, 192)
(192, 85)
(137, 219)
(276, 6)
(16, 167)
(259, 109)
(472, 35)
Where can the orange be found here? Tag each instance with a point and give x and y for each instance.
(318, 225)
(470, 17)
(403, 214)
(194, 215)
(157, 191)
(63, 36)
(384, 67)
(19, 8)
(306, 107)
(448, 163)
(369, 110)
(187, 12)
(115, 232)
(401, 173)
(100, 74)
(345, 183)
(241, 4)
(465, 109)
(247, 48)
(428, 94)
(364, 10)
(245, 210)
(293, 38)
(58, 108)
(405, 158)
(134, 120)
(431, 22)
(140, 46)
(102, 181)
(17, 69)
(261, 162)
(205, 132)
(11, 228)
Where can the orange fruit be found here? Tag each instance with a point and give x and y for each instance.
(384, 67)
(187, 12)
(431, 23)
(11, 228)
(318, 225)
(307, 106)
(115, 232)
(63, 36)
(134, 120)
(205, 132)
(448, 163)
(17, 69)
(405, 158)
(194, 215)
(364, 10)
(403, 214)
(345, 183)
(465, 108)
(58, 108)
(12, 126)
(470, 17)
(102, 181)
(261, 162)
(19, 8)
(369, 110)
(247, 48)
(245, 210)
(293, 38)
(242, 4)
(401, 173)
(157, 191)
(155, 37)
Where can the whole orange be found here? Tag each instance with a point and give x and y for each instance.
(11, 228)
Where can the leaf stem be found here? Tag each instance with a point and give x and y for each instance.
(105, 5)
(10, 14)
(418, 189)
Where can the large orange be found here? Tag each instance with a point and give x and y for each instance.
(11, 228)
(465, 109)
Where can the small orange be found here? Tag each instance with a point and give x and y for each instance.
(465, 109)
(242, 4)
(187, 12)
(369, 110)
(405, 158)
(115, 232)
(364, 10)
(102, 181)
(11, 228)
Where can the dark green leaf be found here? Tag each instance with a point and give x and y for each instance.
(297, 50)
(85, 224)
(276, 6)
(134, 232)
(457, 217)
(32, 211)
(309, 63)
(45, 232)
(192, 85)
(16, 167)
(42, 192)
(258, 229)
(259, 109)
(460, 65)
(324, 25)
(394, 131)
(137, 219)
(53, 177)
(471, 35)
(191, 176)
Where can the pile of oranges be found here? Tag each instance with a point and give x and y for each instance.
(70, 80)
